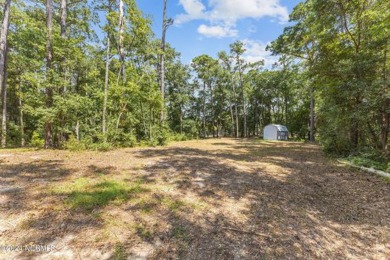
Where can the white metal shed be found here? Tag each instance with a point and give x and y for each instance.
(275, 132)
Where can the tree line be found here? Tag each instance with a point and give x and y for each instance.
(344, 47)
(61, 82)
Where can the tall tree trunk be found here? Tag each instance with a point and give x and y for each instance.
(150, 123)
(3, 69)
(235, 106)
(204, 109)
(64, 13)
(121, 50)
(143, 117)
(181, 119)
(78, 130)
(354, 124)
(255, 118)
(63, 17)
(385, 115)
(4, 104)
(232, 117)
(312, 114)
(166, 23)
(104, 123)
(21, 115)
(49, 57)
(243, 97)
(212, 109)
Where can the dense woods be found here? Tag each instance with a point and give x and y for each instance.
(70, 76)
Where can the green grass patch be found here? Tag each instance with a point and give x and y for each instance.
(378, 163)
(179, 233)
(173, 205)
(147, 205)
(144, 232)
(88, 194)
(120, 252)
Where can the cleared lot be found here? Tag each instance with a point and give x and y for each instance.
(204, 199)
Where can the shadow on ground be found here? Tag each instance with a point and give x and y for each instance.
(297, 203)
(251, 200)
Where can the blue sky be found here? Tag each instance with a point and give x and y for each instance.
(209, 26)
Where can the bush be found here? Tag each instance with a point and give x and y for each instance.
(162, 136)
(371, 159)
(101, 147)
(36, 140)
(179, 137)
(122, 139)
(74, 145)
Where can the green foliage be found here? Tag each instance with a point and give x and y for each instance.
(338, 49)
(120, 252)
(122, 139)
(37, 140)
(162, 136)
(179, 137)
(343, 49)
(144, 232)
(101, 147)
(371, 159)
(74, 145)
(87, 196)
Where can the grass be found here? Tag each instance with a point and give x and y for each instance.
(126, 203)
(143, 232)
(86, 195)
(180, 233)
(120, 252)
(377, 163)
(173, 205)
(147, 205)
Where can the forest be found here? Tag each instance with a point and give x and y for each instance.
(64, 86)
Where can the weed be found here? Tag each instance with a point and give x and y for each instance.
(74, 145)
(173, 205)
(120, 252)
(144, 232)
(86, 196)
(179, 233)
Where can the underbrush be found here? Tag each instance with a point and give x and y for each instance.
(162, 138)
(370, 160)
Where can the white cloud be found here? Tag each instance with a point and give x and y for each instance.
(194, 10)
(225, 13)
(255, 51)
(217, 31)
(233, 10)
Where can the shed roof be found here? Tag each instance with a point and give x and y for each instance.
(279, 127)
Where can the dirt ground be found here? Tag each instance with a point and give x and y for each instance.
(203, 199)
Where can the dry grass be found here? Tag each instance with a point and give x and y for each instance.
(209, 199)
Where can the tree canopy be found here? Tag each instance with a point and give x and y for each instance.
(62, 84)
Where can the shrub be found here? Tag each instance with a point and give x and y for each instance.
(162, 136)
(36, 140)
(122, 139)
(101, 147)
(179, 137)
(74, 145)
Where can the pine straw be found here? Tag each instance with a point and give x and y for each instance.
(208, 199)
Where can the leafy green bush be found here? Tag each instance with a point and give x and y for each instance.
(101, 147)
(179, 137)
(122, 139)
(162, 136)
(74, 145)
(371, 159)
(36, 140)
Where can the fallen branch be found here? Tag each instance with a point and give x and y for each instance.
(370, 170)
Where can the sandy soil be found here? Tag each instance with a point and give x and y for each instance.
(208, 199)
